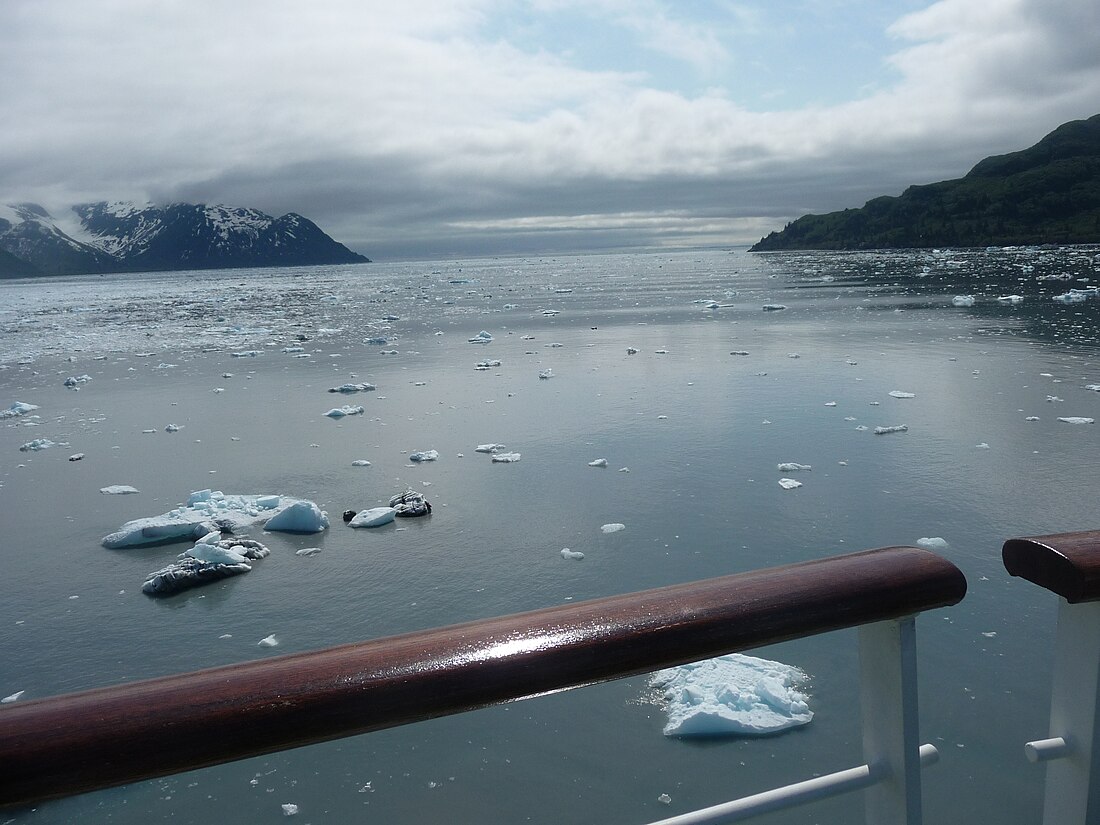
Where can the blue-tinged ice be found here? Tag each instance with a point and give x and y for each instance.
(374, 517)
(482, 337)
(347, 409)
(17, 409)
(298, 517)
(36, 445)
(732, 695)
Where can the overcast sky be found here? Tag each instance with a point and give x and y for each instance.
(421, 128)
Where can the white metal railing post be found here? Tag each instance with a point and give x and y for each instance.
(1072, 794)
(888, 700)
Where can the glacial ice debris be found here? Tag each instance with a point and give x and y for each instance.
(410, 504)
(488, 363)
(731, 695)
(789, 483)
(347, 409)
(599, 462)
(506, 458)
(75, 380)
(791, 467)
(374, 517)
(774, 307)
(348, 389)
(268, 641)
(614, 527)
(13, 697)
(209, 510)
(1011, 299)
(932, 543)
(211, 558)
(1076, 419)
(963, 301)
(572, 555)
(36, 445)
(900, 428)
(901, 394)
(17, 409)
(423, 455)
(546, 374)
(119, 490)
(482, 337)
(489, 448)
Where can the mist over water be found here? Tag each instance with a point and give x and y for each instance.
(699, 429)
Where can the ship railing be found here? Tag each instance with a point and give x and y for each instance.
(1068, 564)
(80, 742)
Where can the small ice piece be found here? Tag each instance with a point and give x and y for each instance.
(119, 490)
(1011, 299)
(76, 457)
(289, 809)
(963, 301)
(982, 446)
(791, 467)
(631, 350)
(1093, 387)
(546, 374)
(1076, 419)
(17, 409)
(901, 394)
(599, 462)
(615, 527)
(347, 409)
(36, 445)
(731, 695)
(830, 403)
(1032, 418)
(268, 641)
(74, 380)
(14, 697)
(739, 352)
(424, 455)
(773, 307)
(248, 353)
(900, 428)
(268, 502)
(1054, 399)
(505, 458)
(573, 555)
(410, 504)
(360, 462)
(932, 543)
(665, 799)
(789, 483)
(482, 337)
(489, 448)
(307, 551)
(374, 517)
(172, 428)
(348, 389)
(488, 363)
(298, 517)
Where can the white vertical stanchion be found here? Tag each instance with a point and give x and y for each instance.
(888, 700)
(1072, 794)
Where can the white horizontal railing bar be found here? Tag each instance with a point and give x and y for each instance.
(1043, 750)
(799, 793)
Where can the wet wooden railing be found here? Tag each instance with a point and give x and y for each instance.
(110, 736)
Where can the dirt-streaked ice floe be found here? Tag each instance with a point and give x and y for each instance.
(900, 428)
(212, 558)
(730, 695)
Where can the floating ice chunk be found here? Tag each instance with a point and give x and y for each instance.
(374, 517)
(268, 641)
(482, 337)
(211, 559)
(360, 462)
(790, 467)
(410, 504)
(1076, 419)
(1011, 299)
(505, 458)
(901, 394)
(289, 809)
(900, 428)
(789, 483)
(963, 301)
(76, 457)
(739, 352)
(830, 403)
(118, 490)
(74, 380)
(291, 350)
(14, 697)
(489, 448)
(932, 543)
(1093, 387)
(1054, 398)
(307, 551)
(17, 409)
(773, 307)
(599, 462)
(298, 517)
(488, 363)
(36, 445)
(347, 409)
(631, 350)
(1074, 296)
(665, 799)
(546, 374)
(612, 528)
(1032, 418)
(573, 555)
(249, 353)
(172, 428)
(982, 446)
(348, 389)
(734, 694)
(424, 455)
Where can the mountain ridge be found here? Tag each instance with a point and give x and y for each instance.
(123, 236)
(1048, 193)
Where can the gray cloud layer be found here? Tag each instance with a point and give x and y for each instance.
(403, 131)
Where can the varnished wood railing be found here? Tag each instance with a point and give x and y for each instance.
(110, 736)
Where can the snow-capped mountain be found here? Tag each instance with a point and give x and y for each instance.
(129, 237)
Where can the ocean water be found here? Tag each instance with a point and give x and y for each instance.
(699, 428)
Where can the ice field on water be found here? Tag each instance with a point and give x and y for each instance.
(219, 381)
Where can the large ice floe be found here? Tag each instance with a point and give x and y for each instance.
(732, 695)
(209, 511)
(17, 409)
(211, 558)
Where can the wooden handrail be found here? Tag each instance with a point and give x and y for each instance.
(110, 736)
(1066, 563)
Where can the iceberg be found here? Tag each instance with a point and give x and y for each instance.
(482, 337)
(1011, 299)
(789, 484)
(347, 409)
(774, 307)
(17, 409)
(732, 695)
(374, 517)
(212, 558)
(410, 504)
(790, 467)
(488, 363)
(74, 380)
(347, 389)
(489, 448)
(546, 373)
(612, 528)
(505, 458)
(36, 445)
(963, 301)
(208, 511)
(572, 555)
(1076, 419)
(932, 543)
(599, 462)
(424, 455)
(900, 428)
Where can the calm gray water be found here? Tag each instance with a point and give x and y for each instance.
(700, 429)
